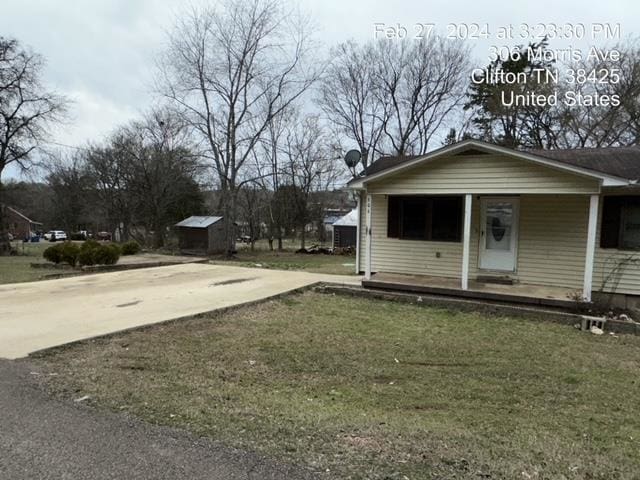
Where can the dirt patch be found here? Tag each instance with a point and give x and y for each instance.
(361, 442)
(231, 282)
(129, 304)
(440, 364)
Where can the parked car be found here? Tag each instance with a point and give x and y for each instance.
(103, 236)
(55, 235)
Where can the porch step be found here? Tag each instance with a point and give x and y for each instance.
(504, 280)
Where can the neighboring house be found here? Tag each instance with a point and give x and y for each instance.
(21, 226)
(201, 235)
(345, 230)
(475, 219)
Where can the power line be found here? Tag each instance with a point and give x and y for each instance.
(67, 146)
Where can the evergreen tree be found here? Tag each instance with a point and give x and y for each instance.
(511, 125)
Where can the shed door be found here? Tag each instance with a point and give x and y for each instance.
(499, 233)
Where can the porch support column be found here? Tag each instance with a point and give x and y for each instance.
(367, 267)
(358, 232)
(591, 247)
(466, 241)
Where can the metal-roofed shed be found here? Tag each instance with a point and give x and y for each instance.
(201, 234)
(345, 230)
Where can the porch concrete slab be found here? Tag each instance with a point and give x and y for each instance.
(39, 315)
(518, 292)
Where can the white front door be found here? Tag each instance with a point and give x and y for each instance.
(498, 233)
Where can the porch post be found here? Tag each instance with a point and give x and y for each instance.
(591, 247)
(367, 268)
(466, 240)
(358, 216)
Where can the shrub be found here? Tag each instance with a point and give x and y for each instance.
(95, 253)
(106, 254)
(130, 248)
(89, 245)
(69, 253)
(87, 256)
(53, 254)
(88, 252)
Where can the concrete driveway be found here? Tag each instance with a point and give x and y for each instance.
(39, 315)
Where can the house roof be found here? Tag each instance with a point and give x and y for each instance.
(349, 220)
(619, 161)
(197, 221)
(383, 163)
(620, 165)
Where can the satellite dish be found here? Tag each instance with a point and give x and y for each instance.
(352, 158)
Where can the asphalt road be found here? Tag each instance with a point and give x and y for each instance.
(44, 438)
(39, 315)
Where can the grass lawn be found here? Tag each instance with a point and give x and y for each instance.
(380, 390)
(262, 257)
(17, 268)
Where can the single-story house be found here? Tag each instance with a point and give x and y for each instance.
(480, 220)
(201, 235)
(20, 226)
(345, 230)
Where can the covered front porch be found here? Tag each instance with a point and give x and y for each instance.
(560, 297)
(525, 248)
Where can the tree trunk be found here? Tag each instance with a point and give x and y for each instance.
(5, 244)
(303, 235)
(280, 242)
(229, 210)
(270, 244)
(158, 239)
(158, 235)
(124, 231)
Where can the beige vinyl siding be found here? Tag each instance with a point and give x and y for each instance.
(620, 268)
(553, 240)
(486, 174)
(552, 243)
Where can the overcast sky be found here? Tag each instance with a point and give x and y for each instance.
(101, 53)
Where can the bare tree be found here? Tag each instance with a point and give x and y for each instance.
(605, 125)
(160, 171)
(27, 112)
(231, 70)
(422, 84)
(71, 187)
(266, 171)
(107, 166)
(310, 167)
(393, 96)
(347, 95)
(252, 207)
